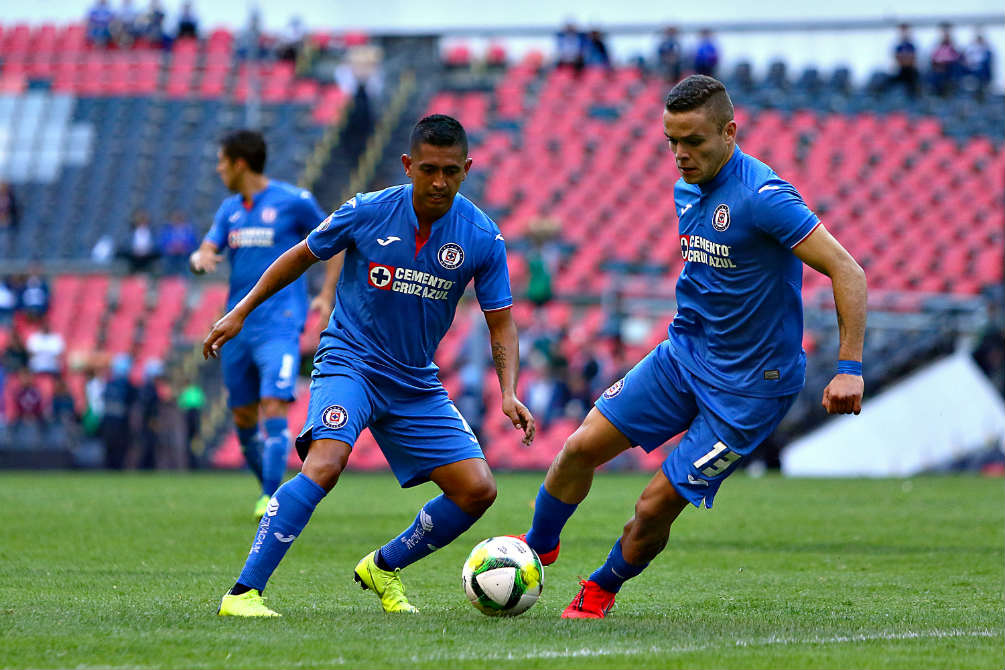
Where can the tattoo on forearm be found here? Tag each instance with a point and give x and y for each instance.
(499, 356)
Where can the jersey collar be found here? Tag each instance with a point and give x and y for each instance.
(725, 173)
(413, 218)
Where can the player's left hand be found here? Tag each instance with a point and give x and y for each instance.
(322, 303)
(223, 330)
(520, 416)
(843, 394)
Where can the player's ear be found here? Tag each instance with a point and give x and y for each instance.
(467, 166)
(729, 131)
(406, 161)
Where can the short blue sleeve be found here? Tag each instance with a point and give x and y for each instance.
(309, 214)
(335, 233)
(779, 211)
(221, 226)
(492, 278)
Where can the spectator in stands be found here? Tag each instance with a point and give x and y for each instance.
(8, 213)
(141, 251)
(905, 56)
(706, 55)
(178, 239)
(291, 40)
(191, 401)
(99, 23)
(670, 55)
(15, 356)
(542, 259)
(117, 420)
(570, 48)
(8, 301)
(151, 25)
(188, 22)
(126, 26)
(250, 44)
(35, 296)
(977, 63)
(360, 75)
(945, 63)
(65, 418)
(149, 402)
(94, 394)
(472, 361)
(595, 51)
(29, 409)
(46, 350)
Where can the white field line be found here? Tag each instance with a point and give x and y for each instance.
(680, 649)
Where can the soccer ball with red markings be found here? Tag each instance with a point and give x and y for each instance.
(502, 576)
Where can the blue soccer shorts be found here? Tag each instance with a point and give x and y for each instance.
(417, 430)
(260, 365)
(659, 398)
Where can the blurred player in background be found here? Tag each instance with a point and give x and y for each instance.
(410, 252)
(733, 362)
(256, 225)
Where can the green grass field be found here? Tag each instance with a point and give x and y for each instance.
(127, 571)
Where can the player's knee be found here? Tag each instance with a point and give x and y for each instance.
(246, 416)
(274, 408)
(579, 452)
(324, 466)
(478, 497)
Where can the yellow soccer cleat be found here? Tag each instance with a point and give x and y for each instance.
(250, 603)
(261, 505)
(385, 583)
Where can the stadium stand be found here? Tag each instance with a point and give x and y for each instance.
(912, 186)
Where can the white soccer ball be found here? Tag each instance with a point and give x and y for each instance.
(502, 576)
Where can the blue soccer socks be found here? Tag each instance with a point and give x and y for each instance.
(251, 447)
(438, 523)
(288, 512)
(615, 571)
(550, 517)
(277, 447)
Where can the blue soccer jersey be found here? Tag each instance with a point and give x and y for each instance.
(280, 217)
(397, 296)
(739, 321)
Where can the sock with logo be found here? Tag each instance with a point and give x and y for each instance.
(277, 448)
(438, 523)
(288, 512)
(615, 571)
(251, 447)
(550, 517)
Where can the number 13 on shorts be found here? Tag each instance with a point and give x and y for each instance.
(716, 461)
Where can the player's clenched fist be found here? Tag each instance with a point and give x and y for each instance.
(223, 330)
(843, 394)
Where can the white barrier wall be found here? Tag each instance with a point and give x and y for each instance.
(933, 417)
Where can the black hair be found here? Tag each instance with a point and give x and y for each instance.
(246, 144)
(698, 91)
(438, 130)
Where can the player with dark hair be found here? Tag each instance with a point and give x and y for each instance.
(733, 362)
(410, 251)
(259, 222)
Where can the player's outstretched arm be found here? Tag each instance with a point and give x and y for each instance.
(506, 355)
(282, 272)
(825, 254)
(205, 258)
(324, 300)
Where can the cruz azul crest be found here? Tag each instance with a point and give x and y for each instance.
(720, 218)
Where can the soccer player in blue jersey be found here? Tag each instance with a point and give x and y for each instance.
(733, 362)
(263, 219)
(410, 251)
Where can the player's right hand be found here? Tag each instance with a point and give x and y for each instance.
(202, 261)
(843, 394)
(223, 330)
